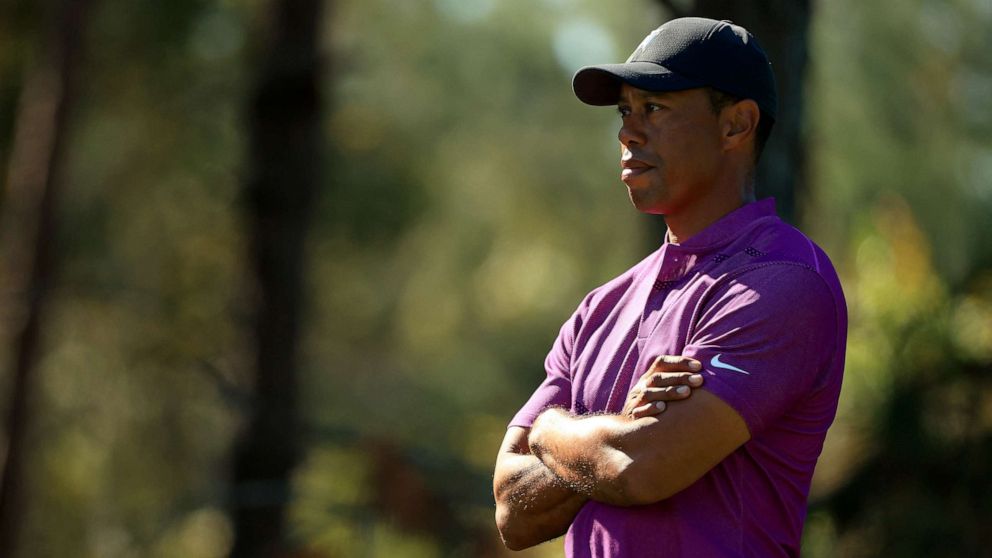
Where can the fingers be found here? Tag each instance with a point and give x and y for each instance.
(675, 363)
(648, 410)
(677, 387)
(669, 378)
(670, 393)
(666, 379)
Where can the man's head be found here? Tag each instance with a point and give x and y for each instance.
(696, 96)
(687, 53)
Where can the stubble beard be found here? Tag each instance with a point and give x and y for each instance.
(650, 198)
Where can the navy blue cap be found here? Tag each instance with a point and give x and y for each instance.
(686, 53)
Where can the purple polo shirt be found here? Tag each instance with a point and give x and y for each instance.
(761, 307)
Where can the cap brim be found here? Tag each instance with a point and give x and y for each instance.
(600, 85)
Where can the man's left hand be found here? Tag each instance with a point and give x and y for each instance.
(670, 378)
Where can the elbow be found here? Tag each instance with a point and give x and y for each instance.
(624, 480)
(512, 532)
(637, 485)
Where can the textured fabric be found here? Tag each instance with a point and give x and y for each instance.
(760, 306)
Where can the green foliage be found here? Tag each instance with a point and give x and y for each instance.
(471, 202)
(901, 143)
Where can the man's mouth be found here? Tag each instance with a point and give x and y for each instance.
(632, 168)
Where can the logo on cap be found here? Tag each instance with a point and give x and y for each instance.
(644, 43)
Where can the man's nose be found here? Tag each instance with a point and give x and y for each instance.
(630, 132)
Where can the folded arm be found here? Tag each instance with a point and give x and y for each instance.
(625, 462)
(532, 504)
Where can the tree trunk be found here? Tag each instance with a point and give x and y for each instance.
(285, 119)
(35, 178)
(782, 28)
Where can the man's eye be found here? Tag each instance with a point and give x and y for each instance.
(623, 111)
(651, 107)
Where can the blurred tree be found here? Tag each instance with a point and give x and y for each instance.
(474, 203)
(902, 137)
(913, 439)
(283, 178)
(34, 183)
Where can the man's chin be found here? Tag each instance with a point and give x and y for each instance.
(645, 204)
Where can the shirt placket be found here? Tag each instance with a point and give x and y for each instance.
(674, 263)
(671, 270)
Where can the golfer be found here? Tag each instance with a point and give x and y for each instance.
(686, 401)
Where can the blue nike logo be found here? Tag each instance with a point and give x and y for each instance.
(716, 363)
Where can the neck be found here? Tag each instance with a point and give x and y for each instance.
(691, 220)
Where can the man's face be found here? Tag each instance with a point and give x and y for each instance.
(670, 148)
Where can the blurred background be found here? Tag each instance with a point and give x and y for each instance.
(276, 273)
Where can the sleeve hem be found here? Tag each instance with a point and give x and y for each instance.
(739, 404)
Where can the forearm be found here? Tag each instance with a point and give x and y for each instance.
(625, 462)
(586, 453)
(532, 504)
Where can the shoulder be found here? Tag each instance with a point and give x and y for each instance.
(611, 291)
(772, 290)
(780, 260)
(778, 241)
(774, 274)
(600, 301)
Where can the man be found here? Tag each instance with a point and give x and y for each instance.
(708, 453)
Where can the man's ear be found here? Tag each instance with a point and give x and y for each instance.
(739, 123)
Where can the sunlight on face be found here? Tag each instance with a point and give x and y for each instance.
(670, 148)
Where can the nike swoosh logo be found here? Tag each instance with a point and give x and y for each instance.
(716, 363)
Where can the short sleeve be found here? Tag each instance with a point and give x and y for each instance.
(556, 389)
(765, 338)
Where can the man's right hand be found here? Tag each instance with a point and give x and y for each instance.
(670, 378)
